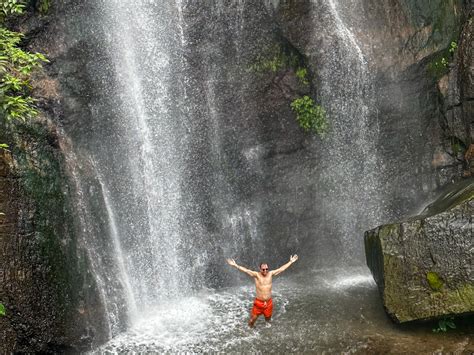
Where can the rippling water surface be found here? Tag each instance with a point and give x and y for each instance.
(312, 313)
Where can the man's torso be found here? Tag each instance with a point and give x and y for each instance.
(264, 286)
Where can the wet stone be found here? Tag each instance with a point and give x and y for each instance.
(424, 267)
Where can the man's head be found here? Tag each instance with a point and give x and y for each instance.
(263, 269)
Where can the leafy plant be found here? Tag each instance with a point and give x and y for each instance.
(2, 309)
(440, 65)
(452, 47)
(16, 66)
(302, 75)
(11, 7)
(311, 117)
(445, 324)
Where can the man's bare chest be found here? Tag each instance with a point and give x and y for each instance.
(263, 281)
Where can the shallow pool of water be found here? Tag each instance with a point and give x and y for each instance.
(322, 311)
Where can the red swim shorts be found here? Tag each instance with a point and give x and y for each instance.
(262, 307)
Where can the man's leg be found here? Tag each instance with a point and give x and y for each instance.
(253, 319)
(268, 311)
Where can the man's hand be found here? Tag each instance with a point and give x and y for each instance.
(231, 262)
(278, 271)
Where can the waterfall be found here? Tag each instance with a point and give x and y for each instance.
(143, 44)
(188, 167)
(350, 178)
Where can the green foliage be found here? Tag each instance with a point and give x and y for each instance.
(440, 65)
(273, 59)
(435, 282)
(302, 75)
(16, 66)
(444, 324)
(452, 47)
(276, 58)
(11, 7)
(2, 309)
(311, 117)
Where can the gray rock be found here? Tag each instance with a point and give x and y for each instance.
(424, 267)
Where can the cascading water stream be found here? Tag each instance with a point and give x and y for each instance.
(109, 288)
(351, 167)
(142, 60)
(117, 247)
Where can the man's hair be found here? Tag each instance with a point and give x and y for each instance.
(262, 264)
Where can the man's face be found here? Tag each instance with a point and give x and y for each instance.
(264, 269)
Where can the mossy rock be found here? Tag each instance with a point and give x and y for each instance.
(424, 266)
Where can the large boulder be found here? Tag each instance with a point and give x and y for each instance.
(424, 267)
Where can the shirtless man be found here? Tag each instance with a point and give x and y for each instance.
(263, 281)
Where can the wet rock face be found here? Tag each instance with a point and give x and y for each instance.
(457, 108)
(424, 267)
(46, 285)
(401, 41)
(49, 295)
(30, 300)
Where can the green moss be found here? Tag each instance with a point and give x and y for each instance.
(435, 282)
(43, 6)
(438, 66)
(43, 181)
(462, 295)
(388, 230)
(394, 284)
(280, 57)
(275, 58)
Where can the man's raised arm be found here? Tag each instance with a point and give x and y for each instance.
(232, 262)
(282, 268)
